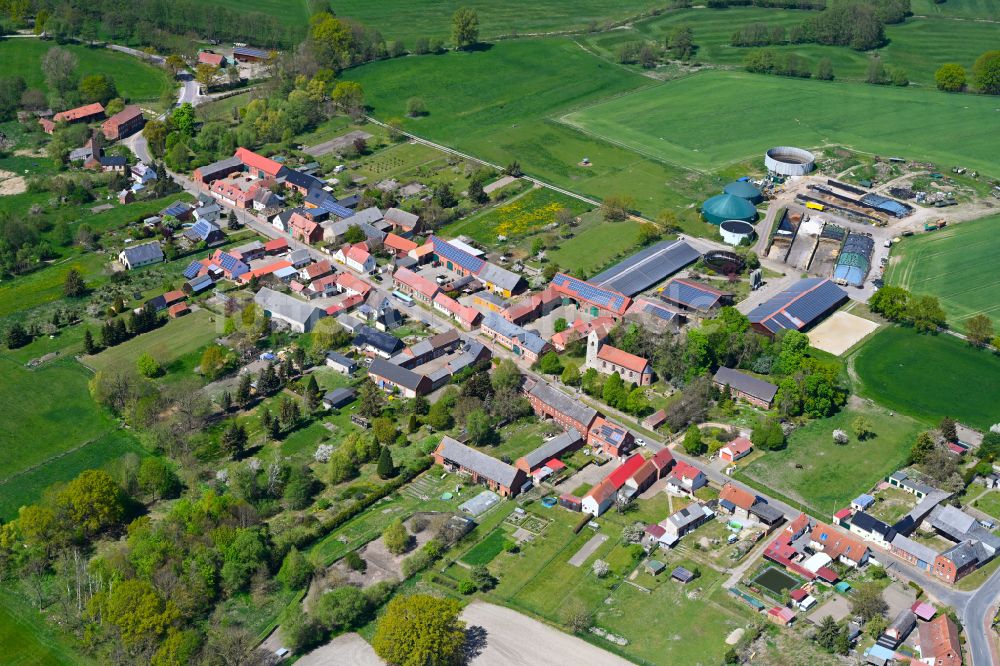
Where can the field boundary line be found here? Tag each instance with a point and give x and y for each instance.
(59, 455)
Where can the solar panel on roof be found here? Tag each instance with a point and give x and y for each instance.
(647, 267)
(192, 270)
(336, 209)
(444, 249)
(589, 292)
(659, 312)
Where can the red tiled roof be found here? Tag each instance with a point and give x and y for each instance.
(399, 243)
(79, 112)
(739, 446)
(737, 496)
(178, 309)
(464, 313)
(555, 465)
(798, 594)
(625, 471)
(416, 282)
(663, 459)
(275, 245)
(210, 58)
(685, 471)
(252, 159)
(110, 126)
(939, 640)
(265, 270)
(603, 491)
(655, 530)
(799, 524)
(349, 282)
(358, 252)
(47, 125)
(843, 513)
(173, 296)
(644, 473)
(302, 223)
(622, 359)
(319, 269)
(837, 544)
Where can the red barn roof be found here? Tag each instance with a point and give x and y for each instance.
(622, 359)
(259, 162)
(79, 112)
(625, 471)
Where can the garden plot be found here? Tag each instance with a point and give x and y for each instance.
(840, 332)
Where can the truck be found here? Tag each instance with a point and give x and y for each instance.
(814, 205)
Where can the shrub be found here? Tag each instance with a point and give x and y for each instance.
(466, 587)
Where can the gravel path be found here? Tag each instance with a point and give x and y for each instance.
(513, 639)
(344, 649)
(587, 549)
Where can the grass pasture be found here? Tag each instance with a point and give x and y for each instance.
(751, 113)
(408, 21)
(930, 376)
(825, 476)
(134, 79)
(487, 549)
(971, 9)
(526, 214)
(170, 342)
(954, 265)
(28, 641)
(289, 12)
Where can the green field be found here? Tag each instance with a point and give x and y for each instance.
(496, 105)
(954, 264)
(986, 9)
(930, 376)
(487, 549)
(825, 476)
(28, 641)
(408, 20)
(291, 12)
(750, 113)
(523, 215)
(176, 338)
(595, 247)
(135, 80)
(920, 45)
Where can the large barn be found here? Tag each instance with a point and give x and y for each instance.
(647, 267)
(799, 307)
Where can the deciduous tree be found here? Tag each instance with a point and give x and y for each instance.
(465, 27)
(420, 629)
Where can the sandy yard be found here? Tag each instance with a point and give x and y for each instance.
(840, 332)
(344, 649)
(512, 639)
(11, 183)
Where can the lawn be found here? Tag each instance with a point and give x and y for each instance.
(666, 122)
(496, 104)
(523, 215)
(291, 12)
(520, 438)
(825, 476)
(176, 338)
(28, 640)
(930, 377)
(408, 21)
(989, 503)
(595, 247)
(987, 9)
(135, 80)
(953, 264)
(487, 549)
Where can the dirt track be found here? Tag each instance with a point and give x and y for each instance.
(513, 639)
(344, 649)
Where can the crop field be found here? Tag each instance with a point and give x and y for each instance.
(668, 122)
(920, 45)
(825, 476)
(985, 9)
(523, 215)
(176, 338)
(135, 80)
(930, 376)
(496, 104)
(290, 12)
(953, 264)
(408, 21)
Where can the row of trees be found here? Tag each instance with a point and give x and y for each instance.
(769, 61)
(924, 313)
(951, 77)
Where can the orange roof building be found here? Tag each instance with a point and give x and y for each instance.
(939, 641)
(838, 545)
(398, 244)
(258, 165)
(737, 496)
(608, 360)
(80, 114)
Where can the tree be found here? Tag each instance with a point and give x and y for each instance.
(420, 629)
(767, 435)
(826, 633)
(241, 558)
(950, 77)
(648, 234)
(342, 466)
(824, 70)
(174, 63)
(385, 469)
(693, 443)
(464, 27)
(570, 375)
(550, 364)
(157, 478)
(89, 348)
(73, 285)
(59, 68)
(979, 330)
(862, 428)
(205, 74)
(98, 88)
(948, 428)
(234, 439)
(876, 72)
(295, 570)
(92, 502)
(926, 314)
(898, 77)
(479, 426)
(371, 400)
(867, 601)
(350, 97)
(891, 302)
(439, 417)
(986, 73)
(183, 119)
(343, 608)
(147, 366)
(876, 626)
(444, 197)
(415, 107)
(617, 208)
(681, 42)
(136, 611)
(637, 403)
(921, 449)
(396, 538)
(482, 577)
(17, 336)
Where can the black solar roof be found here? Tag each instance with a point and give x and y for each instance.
(647, 267)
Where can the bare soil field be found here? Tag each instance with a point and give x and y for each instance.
(344, 649)
(840, 332)
(513, 639)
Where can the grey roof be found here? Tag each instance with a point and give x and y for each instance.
(384, 342)
(918, 550)
(801, 305)
(366, 216)
(647, 267)
(401, 217)
(553, 448)
(952, 521)
(766, 512)
(396, 374)
(926, 505)
(340, 396)
(480, 503)
(564, 404)
(340, 359)
(482, 464)
(296, 256)
(904, 623)
(227, 164)
(872, 525)
(744, 383)
(138, 254)
(284, 306)
(252, 246)
(501, 277)
(340, 227)
(201, 283)
(528, 339)
(966, 552)
(688, 515)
